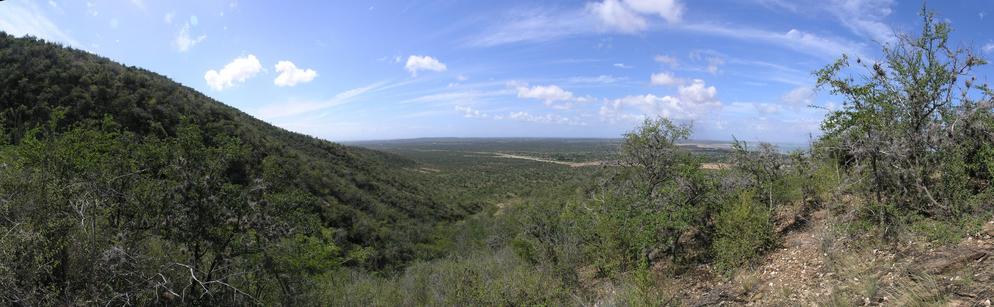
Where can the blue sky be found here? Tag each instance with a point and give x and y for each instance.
(353, 70)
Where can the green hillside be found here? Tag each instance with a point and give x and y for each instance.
(112, 175)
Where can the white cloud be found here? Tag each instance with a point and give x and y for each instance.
(691, 102)
(239, 70)
(766, 108)
(698, 93)
(534, 26)
(668, 60)
(622, 65)
(865, 17)
(184, 41)
(279, 110)
(627, 16)
(988, 48)
(670, 10)
(168, 18)
(794, 39)
(545, 119)
(418, 62)
(603, 79)
(92, 9)
(714, 60)
(468, 112)
(618, 16)
(664, 79)
(19, 18)
(547, 93)
(290, 75)
(799, 96)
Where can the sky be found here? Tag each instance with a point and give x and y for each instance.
(363, 70)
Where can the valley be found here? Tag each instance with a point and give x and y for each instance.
(828, 178)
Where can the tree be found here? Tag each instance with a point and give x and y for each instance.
(659, 203)
(901, 115)
(651, 152)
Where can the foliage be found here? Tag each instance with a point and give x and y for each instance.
(743, 231)
(120, 186)
(916, 125)
(658, 195)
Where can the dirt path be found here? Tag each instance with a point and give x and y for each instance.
(792, 275)
(716, 166)
(795, 272)
(803, 273)
(570, 164)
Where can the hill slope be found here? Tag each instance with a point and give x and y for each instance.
(151, 158)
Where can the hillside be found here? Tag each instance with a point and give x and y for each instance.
(153, 156)
(121, 187)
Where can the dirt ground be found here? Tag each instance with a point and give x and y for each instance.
(815, 267)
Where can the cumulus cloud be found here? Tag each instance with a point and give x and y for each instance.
(552, 95)
(691, 102)
(664, 79)
(616, 15)
(418, 62)
(239, 70)
(698, 93)
(184, 41)
(622, 65)
(670, 10)
(290, 75)
(468, 112)
(544, 92)
(628, 16)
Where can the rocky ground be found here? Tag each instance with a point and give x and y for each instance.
(816, 267)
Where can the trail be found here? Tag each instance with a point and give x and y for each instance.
(570, 164)
(707, 166)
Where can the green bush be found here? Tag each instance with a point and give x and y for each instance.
(945, 232)
(499, 279)
(744, 231)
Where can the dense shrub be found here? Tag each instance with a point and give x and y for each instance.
(658, 195)
(743, 231)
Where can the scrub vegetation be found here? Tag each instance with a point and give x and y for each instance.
(120, 187)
